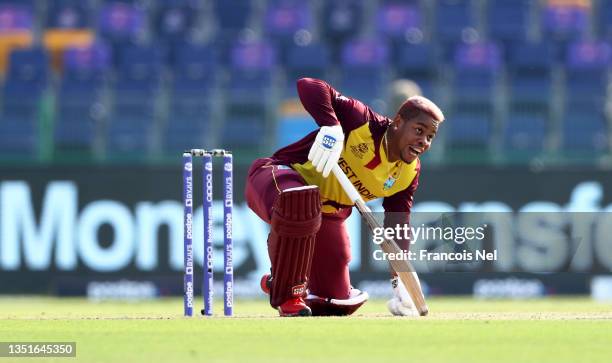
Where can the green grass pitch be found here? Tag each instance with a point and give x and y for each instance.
(457, 330)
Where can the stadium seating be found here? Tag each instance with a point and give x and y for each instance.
(517, 77)
(564, 22)
(342, 20)
(174, 21)
(420, 62)
(476, 70)
(22, 101)
(16, 29)
(604, 19)
(468, 132)
(232, 18)
(249, 95)
(80, 108)
(530, 77)
(312, 60)
(525, 134)
(133, 121)
(401, 23)
(587, 66)
(287, 23)
(121, 24)
(68, 14)
(193, 94)
(363, 72)
(507, 21)
(453, 20)
(584, 134)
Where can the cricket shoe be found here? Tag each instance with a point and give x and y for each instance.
(294, 307)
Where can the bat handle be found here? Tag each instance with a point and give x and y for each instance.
(346, 184)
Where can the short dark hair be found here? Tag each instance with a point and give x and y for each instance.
(416, 105)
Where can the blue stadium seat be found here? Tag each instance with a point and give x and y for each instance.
(246, 132)
(396, 20)
(68, 14)
(232, 16)
(469, 131)
(584, 132)
(188, 123)
(476, 71)
(251, 74)
(587, 66)
(28, 72)
(530, 77)
(401, 23)
(603, 16)
(342, 20)
(283, 20)
(195, 82)
(80, 111)
(121, 23)
(363, 73)
(562, 23)
(195, 68)
(17, 15)
(507, 20)
(23, 92)
(77, 121)
(313, 60)
(452, 18)
(135, 92)
(140, 68)
(420, 62)
(175, 20)
(249, 95)
(525, 132)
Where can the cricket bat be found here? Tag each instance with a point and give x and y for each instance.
(403, 268)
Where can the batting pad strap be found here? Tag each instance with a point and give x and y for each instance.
(287, 227)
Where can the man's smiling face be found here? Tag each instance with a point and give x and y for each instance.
(413, 137)
(413, 129)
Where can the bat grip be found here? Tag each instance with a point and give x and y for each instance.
(346, 184)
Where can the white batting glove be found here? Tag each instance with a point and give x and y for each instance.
(326, 149)
(401, 303)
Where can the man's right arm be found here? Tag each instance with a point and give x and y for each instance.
(328, 107)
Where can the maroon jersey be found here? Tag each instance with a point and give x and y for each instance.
(328, 108)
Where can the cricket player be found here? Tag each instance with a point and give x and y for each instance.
(293, 191)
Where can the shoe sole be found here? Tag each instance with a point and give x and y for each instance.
(303, 312)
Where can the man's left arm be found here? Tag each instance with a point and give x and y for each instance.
(397, 212)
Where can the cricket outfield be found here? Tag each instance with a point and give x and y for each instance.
(457, 330)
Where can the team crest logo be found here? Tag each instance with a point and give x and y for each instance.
(359, 150)
(389, 183)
